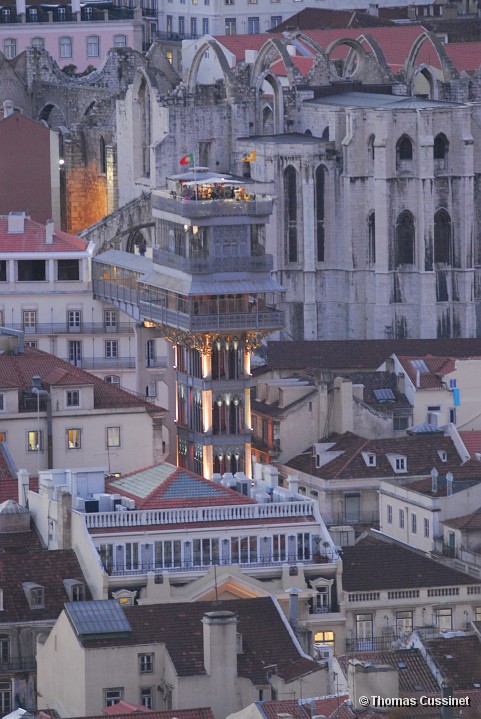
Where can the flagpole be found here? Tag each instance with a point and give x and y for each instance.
(195, 176)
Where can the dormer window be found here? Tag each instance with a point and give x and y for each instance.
(398, 463)
(369, 458)
(75, 590)
(443, 455)
(72, 398)
(35, 595)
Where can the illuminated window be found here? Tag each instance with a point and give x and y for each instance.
(324, 638)
(34, 441)
(73, 438)
(113, 436)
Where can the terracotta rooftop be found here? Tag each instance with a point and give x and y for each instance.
(33, 239)
(368, 566)
(435, 369)
(18, 370)
(468, 522)
(22, 559)
(421, 453)
(458, 658)
(303, 64)
(414, 673)
(352, 355)
(126, 711)
(472, 441)
(265, 637)
(319, 18)
(375, 381)
(163, 486)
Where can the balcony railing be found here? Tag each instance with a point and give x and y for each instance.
(372, 644)
(86, 328)
(121, 570)
(341, 519)
(268, 319)
(101, 363)
(210, 208)
(18, 664)
(203, 265)
(233, 513)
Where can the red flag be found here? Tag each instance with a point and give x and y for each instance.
(187, 159)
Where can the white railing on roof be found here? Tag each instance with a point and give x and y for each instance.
(188, 515)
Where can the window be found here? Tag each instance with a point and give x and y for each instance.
(404, 149)
(113, 696)
(37, 598)
(5, 698)
(228, 2)
(65, 47)
(193, 26)
(400, 464)
(110, 320)
(352, 507)
(414, 524)
(75, 352)
(113, 379)
(400, 423)
(320, 211)
(443, 250)
(364, 633)
(146, 697)
(181, 25)
(120, 40)
(3, 272)
(401, 519)
(102, 157)
(230, 26)
(111, 349)
(32, 343)
(276, 20)
(290, 216)
(74, 320)
(31, 271)
(93, 46)
(169, 24)
(146, 663)
(72, 398)
(150, 353)
(324, 638)
(4, 648)
(371, 153)
(38, 43)
(34, 440)
(2, 402)
(440, 150)
(61, 13)
(252, 25)
(9, 48)
(389, 514)
(404, 623)
(113, 436)
(452, 415)
(29, 319)
(371, 230)
(78, 593)
(443, 619)
(73, 439)
(32, 14)
(205, 26)
(426, 528)
(405, 235)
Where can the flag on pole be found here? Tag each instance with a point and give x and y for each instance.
(250, 157)
(187, 159)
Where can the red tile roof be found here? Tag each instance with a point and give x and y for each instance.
(33, 239)
(117, 710)
(368, 566)
(122, 707)
(303, 64)
(421, 452)
(472, 441)
(458, 659)
(18, 370)
(272, 709)
(238, 44)
(265, 638)
(467, 522)
(349, 355)
(22, 559)
(413, 677)
(438, 367)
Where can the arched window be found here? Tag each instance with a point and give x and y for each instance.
(440, 151)
(325, 133)
(370, 152)
(290, 212)
(404, 151)
(371, 228)
(405, 235)
(320, 212)
(93, 46)
(102, 156)
(443, 246)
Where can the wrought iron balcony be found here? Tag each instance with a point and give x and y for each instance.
(18, 664)
(203, 265)
(267, 319)
(84, 328)
(198, 209)
(102, 363)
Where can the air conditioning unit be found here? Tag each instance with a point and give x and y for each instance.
(324, 651)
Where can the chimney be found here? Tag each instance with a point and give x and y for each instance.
(446, 710)
(418, 379)
(400, 381)
(371, 680)
(49, 228)
(434, 480)
(23, 486)
(16, 223)
(293, 482)
(342, 406)
(294, 606)
(412, 12)
(8, 108)
(373, 10)
(449, 483)
(75, 6)
(220, 659)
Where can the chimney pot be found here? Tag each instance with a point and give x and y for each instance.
(16, 223)
(8, 108)
(49, 229)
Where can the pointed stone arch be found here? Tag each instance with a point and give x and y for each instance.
(447, 67)
(192, 72)
(430, 78)
(377, 53)
(274, 46)
(357, 51)
(276, 105)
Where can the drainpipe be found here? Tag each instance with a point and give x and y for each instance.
(37, 390)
